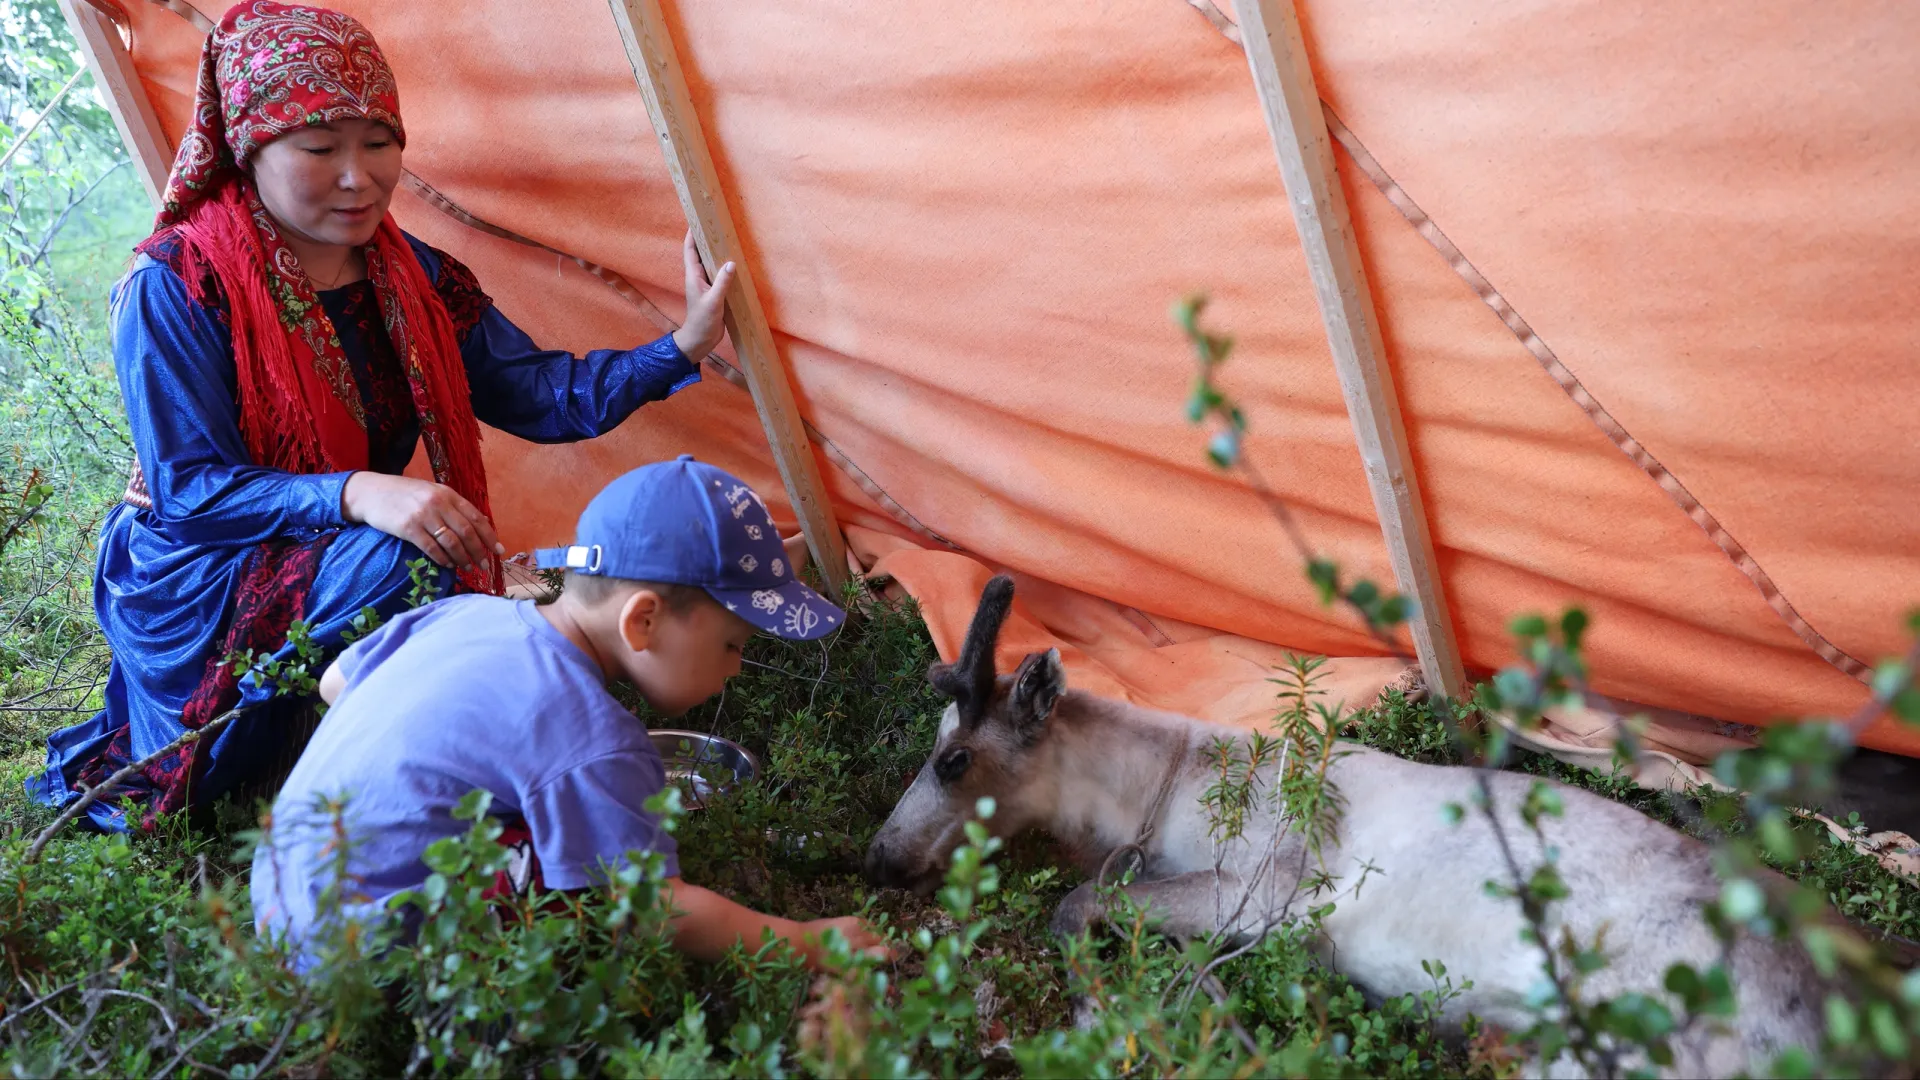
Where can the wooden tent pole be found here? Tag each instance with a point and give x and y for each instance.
(1270, 31)
(656, 67)
(120, 89)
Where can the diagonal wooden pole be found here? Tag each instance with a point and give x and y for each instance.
(126, 100)
(656, 67)
(1270, 32)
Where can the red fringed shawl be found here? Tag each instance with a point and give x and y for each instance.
(270, 68)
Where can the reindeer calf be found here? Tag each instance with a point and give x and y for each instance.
(1100, 775)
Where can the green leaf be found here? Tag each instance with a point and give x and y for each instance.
(1541, 801)
(443, 856)
(1498, 742)
(1843, 1023)
(1573, 624)
(1742, 901)
(1528, 626)
(1197, 403)
(1890, 678)
(1514, 689)
(1885, 1027)
(1547, 884)
(1540, 652)
(1821, 949)
(1395, 610)
(1778, 837)
(1325, 576)
(1224, 448)
(1906, 705)
(1684, 982)
(1453, 813)
(1186, 312)
(473, 804)
(1639, 1018)
(1363, 594)
(1719, 992)
(1795, 1064)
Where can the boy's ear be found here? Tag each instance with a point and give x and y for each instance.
(1037, 686)
(639, 617)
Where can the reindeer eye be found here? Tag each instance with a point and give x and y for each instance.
(953, 766)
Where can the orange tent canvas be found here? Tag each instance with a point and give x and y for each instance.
(1646, 276)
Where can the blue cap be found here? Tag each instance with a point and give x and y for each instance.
(684, 522)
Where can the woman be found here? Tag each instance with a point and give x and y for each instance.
(282, 348)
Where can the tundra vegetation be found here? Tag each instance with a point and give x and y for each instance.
(134, 955)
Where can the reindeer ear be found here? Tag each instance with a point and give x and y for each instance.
(946, 679)
(1037, 686)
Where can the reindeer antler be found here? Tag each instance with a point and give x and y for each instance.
(969, 680)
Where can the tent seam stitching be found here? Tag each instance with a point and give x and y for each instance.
(1583, 398)
(1615, 432)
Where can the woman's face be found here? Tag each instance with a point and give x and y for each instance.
(330, 183)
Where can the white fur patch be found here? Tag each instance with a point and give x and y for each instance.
(949, 723)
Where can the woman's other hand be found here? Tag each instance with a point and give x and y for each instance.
(706, 306)
(430, 516)
(796, 546)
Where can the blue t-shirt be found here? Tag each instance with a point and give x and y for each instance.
(470, 692)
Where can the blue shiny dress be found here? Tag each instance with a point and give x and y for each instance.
(210, 553)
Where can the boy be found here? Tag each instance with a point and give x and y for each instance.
(676, 565)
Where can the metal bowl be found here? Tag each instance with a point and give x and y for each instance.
(699, 762)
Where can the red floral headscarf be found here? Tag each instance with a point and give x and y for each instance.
(270, 68)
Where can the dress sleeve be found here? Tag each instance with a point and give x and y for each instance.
(174, 360)
(546, 395)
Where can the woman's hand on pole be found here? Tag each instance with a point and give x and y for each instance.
(432, 517)
(706, 305)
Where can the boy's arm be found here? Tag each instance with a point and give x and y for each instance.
(709, 924)
(598, 806)
(333, 681)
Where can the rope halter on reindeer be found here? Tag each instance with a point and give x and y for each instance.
(1148, 826)
(971, 681)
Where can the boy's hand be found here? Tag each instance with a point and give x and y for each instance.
(706, 305)
(859, 935)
